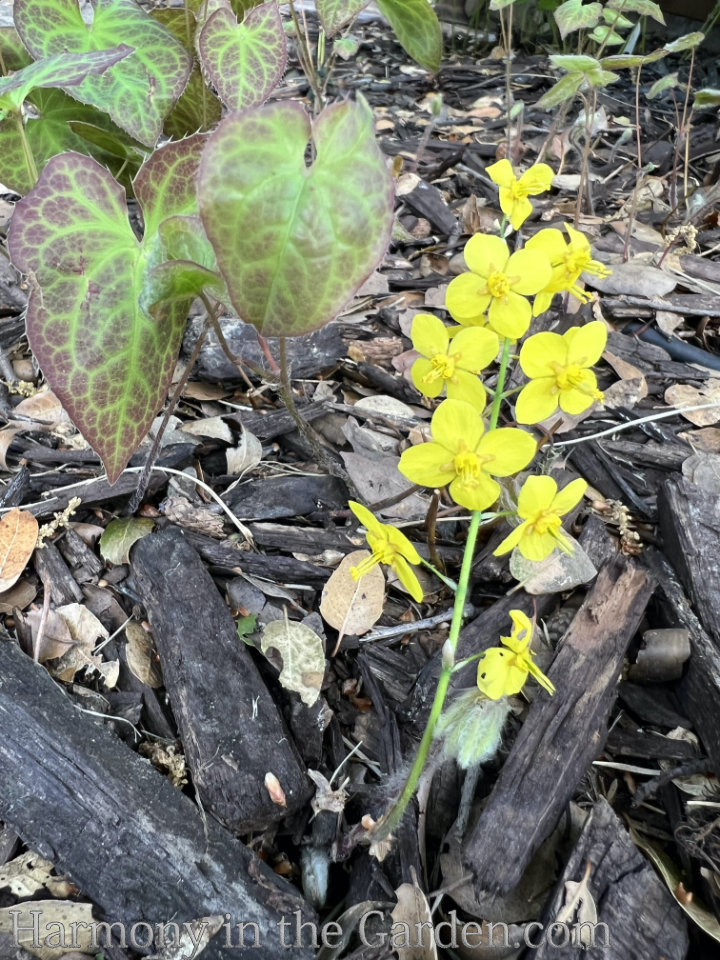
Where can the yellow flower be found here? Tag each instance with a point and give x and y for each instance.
(452, 364)
(466, 457)
(569, 259)
(498, 283)
(514, 193)
(541, 509)
(389, 546)
(501, 673)
(559, 368)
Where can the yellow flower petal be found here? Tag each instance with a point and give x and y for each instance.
(401, 543)
(407, 578)
(537, 494)
(532, 269)
(501, 173)
(542, 302)
(537, 179)
(433, 386)
(539, 351)
(569, 497)
(511, 316)
(511, 450)
(537, 546)
(429, 334)
(536, 401)
(428, 464)
(485, 254)
(455, 422)
(549, 241)
(511, 540)
(474, 349)
(465, 297)
(366, 518)
(467, 387)
(479, 495)
(586, 344)
(522, 629)
(521, 210)
(581, 398)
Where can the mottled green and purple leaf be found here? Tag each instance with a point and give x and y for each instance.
(243, 61)
(139, 91)
(334, 14)
(295, 241)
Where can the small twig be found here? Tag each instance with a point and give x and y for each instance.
(687, 769)
(43, 621)
(306, 430)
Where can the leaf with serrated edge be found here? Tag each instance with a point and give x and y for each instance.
(244, 62)
(294, 242)
(18, 536)
(417, 28)
(106, 356)
(334, 14)
(302, 654)
(139, 91)
(62, 70)
(120, 535)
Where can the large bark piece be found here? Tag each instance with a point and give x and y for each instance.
(561, 735)
(229, 725)
(641, 918)
(690, 525)
(132, 842)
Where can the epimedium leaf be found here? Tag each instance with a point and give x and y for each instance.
(294, 242)
(564, 89)
(165, 184)
(418, 29)
(106, 342)
(198, 108)
(574, 15)
(62, 70)
(139, 91)
(243, 61)
(687, 42)
(645, 8)
(334, 14)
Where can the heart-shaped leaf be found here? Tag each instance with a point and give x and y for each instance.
(58, 124)
(294, 242)
(417, 28)
(139, 91)
(573, 15)
(62, 70)
(244, 62)
(334, 14)
(103, 318)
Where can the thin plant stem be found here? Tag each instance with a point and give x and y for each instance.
(27, 150)
(386, 826)
(441, 576)
(388, 823)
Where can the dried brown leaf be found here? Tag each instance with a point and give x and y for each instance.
(18, 536)
(353, 606)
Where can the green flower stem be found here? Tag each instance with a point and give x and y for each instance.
(27, 150)
(388, 823)
(395, 815)
(441, 576)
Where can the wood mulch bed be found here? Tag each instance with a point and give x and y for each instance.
(150, 793)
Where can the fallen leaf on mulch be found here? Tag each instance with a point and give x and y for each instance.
(64, 922)
(634, 279)
(120, 535)
(703, 469)
(19, 596)
(412, 909)
(302, 654)
(141, 656)
(559, 572)
(706, 438)
(246, 455)
(18, 536)
(683, 395)
(631, 387)
(353, 606)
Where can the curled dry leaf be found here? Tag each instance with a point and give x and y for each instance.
(25, 875)
(353, 606)
(703, 469)
(18, 536)
(141, 656)
(412, 912)
(245, 456)
(325, 797)
(17, 597)
(302, 654)
(557, 573)
(63, 922)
